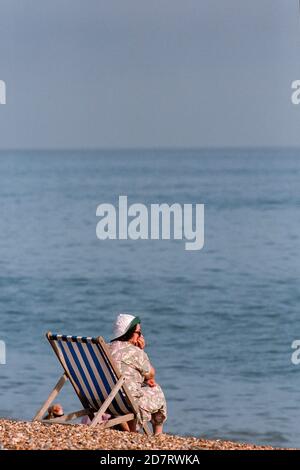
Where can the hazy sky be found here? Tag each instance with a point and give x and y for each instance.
(144, 73)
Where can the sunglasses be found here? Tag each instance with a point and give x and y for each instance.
(138, 333)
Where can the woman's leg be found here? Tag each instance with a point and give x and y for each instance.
(157, 429)
(124, 427)
(132, 425)
(129, 426)
(157, 421)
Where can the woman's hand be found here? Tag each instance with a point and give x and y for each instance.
(151, 383)
(150, 378)
(141, 342)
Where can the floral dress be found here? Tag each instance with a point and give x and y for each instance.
(134, 363)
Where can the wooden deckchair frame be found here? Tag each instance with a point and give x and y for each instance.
(94, 417)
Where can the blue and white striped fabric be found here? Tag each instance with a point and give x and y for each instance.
(85, 361)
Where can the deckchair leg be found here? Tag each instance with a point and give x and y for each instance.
(125, 419)
(146, 429)
(107, 402)
(119, 420)
(53, 394)
(69, 417)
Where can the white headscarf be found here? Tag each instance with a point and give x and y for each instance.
(122, 325)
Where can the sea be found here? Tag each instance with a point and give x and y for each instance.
(218, 322)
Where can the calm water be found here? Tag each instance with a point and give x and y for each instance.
(219, 322)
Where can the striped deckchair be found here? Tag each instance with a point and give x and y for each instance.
(100, 387)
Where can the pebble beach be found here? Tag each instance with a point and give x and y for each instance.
(24, 435)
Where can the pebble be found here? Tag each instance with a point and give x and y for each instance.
(24, 435)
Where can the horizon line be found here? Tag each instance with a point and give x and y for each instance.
(147, 148)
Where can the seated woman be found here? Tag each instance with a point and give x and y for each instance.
(127, 349)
